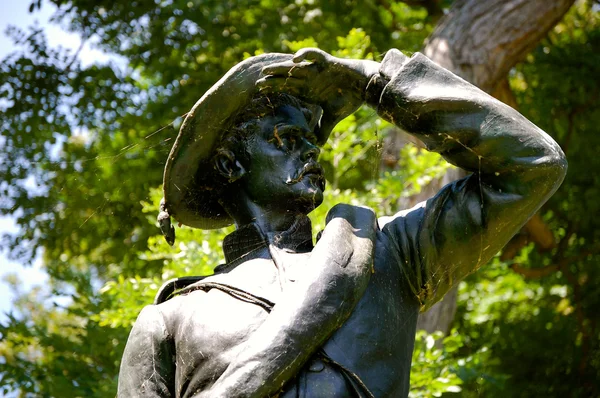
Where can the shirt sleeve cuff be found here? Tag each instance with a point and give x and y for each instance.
(390, 66)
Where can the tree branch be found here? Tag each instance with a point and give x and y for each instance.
(75, 55)
(534, 273)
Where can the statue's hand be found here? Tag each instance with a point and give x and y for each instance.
(336, 84)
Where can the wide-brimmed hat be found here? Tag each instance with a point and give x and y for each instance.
(196, 142)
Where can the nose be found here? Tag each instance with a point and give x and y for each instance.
(309, 150)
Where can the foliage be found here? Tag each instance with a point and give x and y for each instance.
(81, 168)
(431, 372)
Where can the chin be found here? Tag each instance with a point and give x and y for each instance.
(304, 196)
(311, 199)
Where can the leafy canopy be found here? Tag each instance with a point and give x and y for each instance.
(81, 168)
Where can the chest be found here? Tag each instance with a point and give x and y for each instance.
(376, 342)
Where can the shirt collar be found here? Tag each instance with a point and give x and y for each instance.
(249, 239)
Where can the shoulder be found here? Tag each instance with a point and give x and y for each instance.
(149, 330)
(150, 322)
(205, 303)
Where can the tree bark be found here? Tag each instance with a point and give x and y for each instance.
(481, 40)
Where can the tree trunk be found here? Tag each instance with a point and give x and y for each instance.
(481, 41)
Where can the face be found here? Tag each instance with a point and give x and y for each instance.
(281, 169)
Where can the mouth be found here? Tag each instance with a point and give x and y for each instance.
(314, 171)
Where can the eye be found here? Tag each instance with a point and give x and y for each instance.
(289, 140)
(286, 136)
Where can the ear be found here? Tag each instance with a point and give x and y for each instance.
(227, 166)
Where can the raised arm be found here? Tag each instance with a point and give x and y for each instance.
(515, 166)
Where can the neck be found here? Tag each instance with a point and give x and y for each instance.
(268, 218)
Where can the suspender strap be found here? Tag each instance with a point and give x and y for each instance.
(233, 291)
(169, 288)
(361, 390)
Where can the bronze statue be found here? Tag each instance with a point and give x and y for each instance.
(283, 317)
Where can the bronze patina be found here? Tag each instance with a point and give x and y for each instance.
(283, 317)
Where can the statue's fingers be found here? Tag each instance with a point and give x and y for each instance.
(310, 54)
(279, 83)
(288, 69)
(279, 68)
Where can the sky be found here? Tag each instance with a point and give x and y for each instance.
(16, 13)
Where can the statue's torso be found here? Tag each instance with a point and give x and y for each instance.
(376, 342)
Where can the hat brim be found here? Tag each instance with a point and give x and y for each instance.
(198, 137)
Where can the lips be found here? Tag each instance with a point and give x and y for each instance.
(311, 170)
(315, 171)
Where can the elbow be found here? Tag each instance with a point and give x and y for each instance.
(557, 166)
(539, 173)
(550, 171)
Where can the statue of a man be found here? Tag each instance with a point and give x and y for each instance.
(283, 317)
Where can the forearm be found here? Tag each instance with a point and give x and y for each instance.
(309, 311)
(468, 127)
